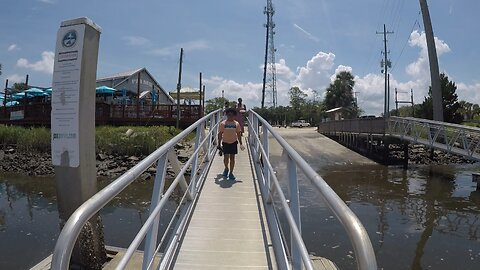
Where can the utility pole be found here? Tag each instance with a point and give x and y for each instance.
(385, 65)
(179, 86)
(434, 70)
(200, 94)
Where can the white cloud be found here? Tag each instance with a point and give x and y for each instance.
(15, 78)
(47, 1)
(320, 71)
(13, 47)
(316, 73)
(194, 45)
(44, 65)
(420, 68)
(308, 34)
(136, 40)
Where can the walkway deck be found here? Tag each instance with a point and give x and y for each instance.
(227, 229)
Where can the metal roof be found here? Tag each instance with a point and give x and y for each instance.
(120, 75)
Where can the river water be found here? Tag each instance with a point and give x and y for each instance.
(427, 217)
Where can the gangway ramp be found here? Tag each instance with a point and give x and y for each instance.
(220, 223)
(227, 229)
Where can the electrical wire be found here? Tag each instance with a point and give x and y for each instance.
(406, 42)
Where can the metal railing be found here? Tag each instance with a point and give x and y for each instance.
(359, 125)
(297, 255)
(458, 139)
(204, 143)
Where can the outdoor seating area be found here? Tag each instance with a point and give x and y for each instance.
(32, 107)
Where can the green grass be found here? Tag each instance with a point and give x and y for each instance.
(110, 140)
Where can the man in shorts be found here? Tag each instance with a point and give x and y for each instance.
(229, 136)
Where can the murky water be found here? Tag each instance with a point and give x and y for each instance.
(423, 218)
(29, 218)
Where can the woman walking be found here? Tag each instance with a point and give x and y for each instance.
(240, 117)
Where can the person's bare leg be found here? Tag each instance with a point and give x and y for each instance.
(232, 163)
(225, 160)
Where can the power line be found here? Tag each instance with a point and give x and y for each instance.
(406, 42)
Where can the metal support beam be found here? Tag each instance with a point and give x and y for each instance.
(433, 59)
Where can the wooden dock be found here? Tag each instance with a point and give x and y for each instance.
(228, 229)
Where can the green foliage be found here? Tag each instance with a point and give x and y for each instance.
(110, 140)
(217, 103)
(26, 139)
(20, 86)
(451, 106)
(340, 94)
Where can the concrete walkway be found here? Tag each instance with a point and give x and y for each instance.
(227, 229)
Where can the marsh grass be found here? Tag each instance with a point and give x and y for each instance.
(109, 140)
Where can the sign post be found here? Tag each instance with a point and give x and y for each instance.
(73, 132)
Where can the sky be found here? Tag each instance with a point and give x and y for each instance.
(225, 40)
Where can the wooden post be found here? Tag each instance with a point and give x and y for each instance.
(138, 94)
(179, 86)
(73, 133)
(5, 99)
(25, 100)
(203, 102)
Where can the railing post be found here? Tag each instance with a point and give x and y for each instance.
(266, 172)
(193, 174)
(295, 209)
(210, 138)
(158, 186)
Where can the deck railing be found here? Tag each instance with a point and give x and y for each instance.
(359, 125)
(297, 255)
(198, 162)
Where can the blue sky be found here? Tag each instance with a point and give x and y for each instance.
(225, 40)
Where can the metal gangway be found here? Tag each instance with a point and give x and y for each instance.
(452, 138)
(221, 224)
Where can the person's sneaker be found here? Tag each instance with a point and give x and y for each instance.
(231, 177)
(225, 173)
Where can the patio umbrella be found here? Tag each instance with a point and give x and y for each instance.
(105, 90)
(36, 92)
(20, 96)
(48, 91)
(12, 103)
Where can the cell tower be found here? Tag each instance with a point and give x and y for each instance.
(269, 68)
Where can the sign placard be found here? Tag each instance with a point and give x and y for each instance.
(66, 96)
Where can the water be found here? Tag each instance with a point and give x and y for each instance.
(423, 218)
(29, 218)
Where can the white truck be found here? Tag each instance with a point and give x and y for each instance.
(300, 124)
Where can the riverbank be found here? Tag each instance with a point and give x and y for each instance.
(17, 161)
(26, 151)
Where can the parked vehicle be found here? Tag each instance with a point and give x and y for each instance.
(300, 124)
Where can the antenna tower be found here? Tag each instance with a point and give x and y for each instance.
(269, 69)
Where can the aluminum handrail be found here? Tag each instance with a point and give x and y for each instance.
(359, 238)
(72, 228)
(433, 122)
(297, 236)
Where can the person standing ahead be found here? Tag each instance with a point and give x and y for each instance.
(229, 135)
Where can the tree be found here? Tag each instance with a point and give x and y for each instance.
(340, 94)
(297, 99)
(216, 103)
(20, 87)
(451, 106)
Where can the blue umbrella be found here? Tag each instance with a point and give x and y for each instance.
(36, 92)
(48, 91)
(105, 90)
(12, 103)
(20, 96)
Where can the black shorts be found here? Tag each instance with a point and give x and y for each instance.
(230, 148)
